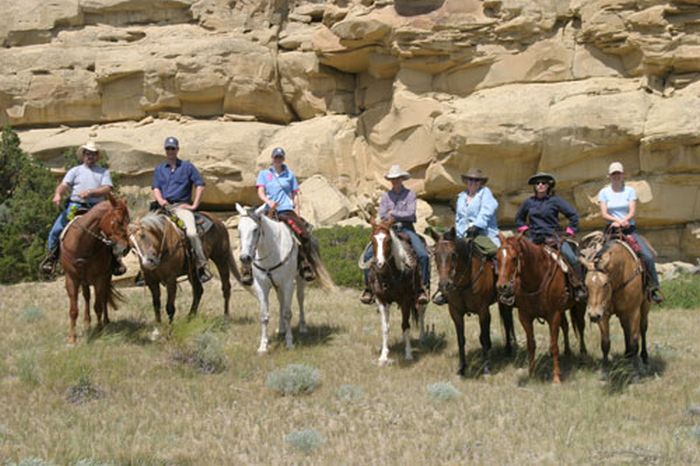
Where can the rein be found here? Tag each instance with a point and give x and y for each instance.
(268, 270)
(551, 270)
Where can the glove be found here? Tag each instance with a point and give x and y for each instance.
(570, 231)
(523, 229)
(472, 232)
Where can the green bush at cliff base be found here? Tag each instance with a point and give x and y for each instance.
(340, 249)
(682, 292)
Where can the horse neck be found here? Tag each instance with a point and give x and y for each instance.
(620, 264)
(398, 251)
(275, 238)
(534, 263)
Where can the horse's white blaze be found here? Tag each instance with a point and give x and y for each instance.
(381, 254)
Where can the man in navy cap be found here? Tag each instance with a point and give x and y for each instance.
(172, 186)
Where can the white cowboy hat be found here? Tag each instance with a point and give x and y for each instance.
(90, 145)
(396, 172)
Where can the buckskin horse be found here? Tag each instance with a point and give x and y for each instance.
(163, 253)
(86, 257)
(533, 281)
(468, 281)
(395, 278)
(615, 287)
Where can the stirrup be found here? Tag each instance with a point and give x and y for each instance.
(423, 297)
(439, 298)
(203, 274)
(367, 297)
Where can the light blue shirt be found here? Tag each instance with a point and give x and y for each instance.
(618, 203)
(82, 178)
(279, 187)
(480, 212)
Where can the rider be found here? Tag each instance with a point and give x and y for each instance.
(278, 188)
(539, 217)
(399, 205)
(172, 186)
(618, 203)
(475, 217)
(89, 185)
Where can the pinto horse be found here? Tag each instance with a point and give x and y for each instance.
(532, 280)
(615, 287)
(395, 278)
(468, 281)
(164, 256)
(86, 257)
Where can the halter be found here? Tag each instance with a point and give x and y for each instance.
(160, 251)
(256, 261)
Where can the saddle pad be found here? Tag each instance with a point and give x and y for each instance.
(65, 229)
(557, 258)
(203, 223)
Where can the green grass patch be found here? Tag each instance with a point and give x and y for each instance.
(442, 391)
(28, 369)
(294, 379)
(340, 249)
(683, 292)
(32, 314)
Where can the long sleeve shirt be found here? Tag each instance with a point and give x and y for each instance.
(401, 205)
(480, 212)
(542, 215)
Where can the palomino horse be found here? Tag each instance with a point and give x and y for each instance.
(270, 247)
(532, 280)
(164, 256)
(615, 287)
(395, 278)
(468, 281)
(86, 258)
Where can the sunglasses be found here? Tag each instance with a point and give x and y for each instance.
(537, 183)
(171, 148)
(473, 180)
(89, 152)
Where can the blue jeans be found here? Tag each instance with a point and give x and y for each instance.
(421, 254)
(60, 224)
(648, 259)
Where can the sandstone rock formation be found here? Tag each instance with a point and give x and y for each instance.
(350, 87)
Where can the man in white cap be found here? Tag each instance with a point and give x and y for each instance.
(172, 185)
(399, 205)
(88, 185)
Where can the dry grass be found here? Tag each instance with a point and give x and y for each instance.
(157, 407)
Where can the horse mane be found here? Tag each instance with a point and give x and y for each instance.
(402, 258)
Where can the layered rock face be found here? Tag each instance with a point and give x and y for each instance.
(350, 87)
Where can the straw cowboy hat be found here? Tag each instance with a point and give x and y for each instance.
(89, 146)
(476, 174)
(396, 172)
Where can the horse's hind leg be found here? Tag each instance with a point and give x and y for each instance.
(197, 292)
(86, 312)
(554, 345)
(284, 295)
(300, 302)
(485, 338)
(72, 291)
(643, 325)
(565, 331)
(406, 328)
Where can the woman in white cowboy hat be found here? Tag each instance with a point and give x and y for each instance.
(618, 204)
(88, 185)
(399, 204)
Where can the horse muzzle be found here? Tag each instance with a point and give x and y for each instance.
(594, 315)
(506, 294)
(149, 263)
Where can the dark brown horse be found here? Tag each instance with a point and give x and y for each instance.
(164, 256)
(468, 280)
(86, 258)
(616, 287)
(532, 280)
(394, 278)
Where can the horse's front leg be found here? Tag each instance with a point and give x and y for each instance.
(72, 291)
(458, 321)
(526, 322)
(264, 316)
(578, 318)
(564, 324)
(171, 290)
(554, 324)
(300, 302)
(643, 325)
(154, 288)
(485, 338)
(406, 328)
(197, 292)
(604, 327)
(384, 318)
(421, 322)
(508, 327)
(284, 296)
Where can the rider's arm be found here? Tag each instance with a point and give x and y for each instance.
(296, 202)
(158, 196)
(487, 209)
(461, 223)
(569, 212)
(198, 191)
(521, 215)
(61, 189)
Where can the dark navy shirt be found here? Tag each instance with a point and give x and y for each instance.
(542, 215)
(176, 185)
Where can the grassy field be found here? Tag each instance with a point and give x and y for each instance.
(200, 395)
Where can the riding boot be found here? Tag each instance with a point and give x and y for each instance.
(439, 298)
(656, 295)
(577, 284)
(307, 271)
(367, 297)
(423, 296)
(48, 265)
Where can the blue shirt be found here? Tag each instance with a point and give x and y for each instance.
(480, 212)
(618, 203)
(176, 185)
(542, 215)
(82, 178)
(279, 187)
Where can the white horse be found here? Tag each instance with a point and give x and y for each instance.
(273, 251)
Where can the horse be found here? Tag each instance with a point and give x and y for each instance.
(270, 247)
(163, 252)
(468, 281)
(616, 287)
(395, 278)
(86, 252)
(532, 280)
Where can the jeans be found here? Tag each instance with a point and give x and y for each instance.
(421, 254)
(60, 224)
(648, 259)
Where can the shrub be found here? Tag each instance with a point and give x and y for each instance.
(340, 248)
(349, 392)
(443, 391)
(305, 440)
(682, 292)
(85, 390)
(32, 314)
(294, 379)
(206, 355)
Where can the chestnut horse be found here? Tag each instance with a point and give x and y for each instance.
(468, 281)
(616, 287)
(394, 277)
(86, 258)
(164, 256)
(532, 280)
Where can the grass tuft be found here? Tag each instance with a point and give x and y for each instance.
(348, 392)
(621, 374)
(442, 391)
(32, 314)
(91, 462)
(294, 379)
(85, 389)
(27, 369)
(206, 355)
(32, 462)
(306, 440)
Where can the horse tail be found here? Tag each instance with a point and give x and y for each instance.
(323, 277)
(233, 267)
(113, 296)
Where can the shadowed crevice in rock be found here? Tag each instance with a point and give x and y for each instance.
(416, 7)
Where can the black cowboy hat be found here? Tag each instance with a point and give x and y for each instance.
(542, 176)
(476, 174)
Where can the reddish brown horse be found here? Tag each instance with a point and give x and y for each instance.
(163, 254)
(468, 281)
(394, 278)
(86, 258)
(615, 287)
(532, 280)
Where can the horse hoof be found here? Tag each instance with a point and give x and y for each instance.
(556, 381)
(303, 329)
(386, 362)
(154, 335)
(262, 351)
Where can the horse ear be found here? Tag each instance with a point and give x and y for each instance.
(587, 263)
(433, 234)
(372, 222)
(112, 200)
(260, 210)
(502, 237)
(240, 209)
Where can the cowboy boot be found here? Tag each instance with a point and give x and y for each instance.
(307, 271)
(439, 298)
(579, 288)
(423, 296)
(367, 297)
(48, 265)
